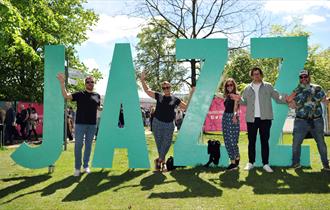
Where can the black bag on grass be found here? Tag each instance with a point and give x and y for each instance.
(170, 164)
(213, 149)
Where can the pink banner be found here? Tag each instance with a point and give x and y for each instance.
(214, 117)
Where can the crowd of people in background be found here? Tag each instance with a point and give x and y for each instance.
(149, 113)
(19, 125)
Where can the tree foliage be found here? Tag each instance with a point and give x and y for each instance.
(191, 19)
(156, 55)
(317, 63)
(26, 26)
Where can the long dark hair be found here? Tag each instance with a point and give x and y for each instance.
(225, 91)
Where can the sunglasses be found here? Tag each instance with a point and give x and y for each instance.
(303, 77)
(89, 82)
(166, 88)
(229, 85)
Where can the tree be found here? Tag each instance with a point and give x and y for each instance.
(317, 63)
(240, 63)
(234, 19)
(25, 27)
(155, 54)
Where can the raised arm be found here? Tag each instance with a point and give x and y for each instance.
(65, 93)
(145, 86)
(184, 105)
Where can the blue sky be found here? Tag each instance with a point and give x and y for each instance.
(115, 27)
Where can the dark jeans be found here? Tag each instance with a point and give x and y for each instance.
(264, 130)
(23, 129)
(9, 134)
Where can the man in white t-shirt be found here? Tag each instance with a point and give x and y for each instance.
(259, 114)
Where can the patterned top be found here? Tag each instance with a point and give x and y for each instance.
(308, 101)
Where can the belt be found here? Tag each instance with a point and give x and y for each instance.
(306, 118)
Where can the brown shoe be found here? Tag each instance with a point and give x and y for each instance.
(157, 164)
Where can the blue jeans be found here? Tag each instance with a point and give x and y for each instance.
(300, 129)
(83, 132)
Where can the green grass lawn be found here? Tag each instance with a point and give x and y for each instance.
(187, 188)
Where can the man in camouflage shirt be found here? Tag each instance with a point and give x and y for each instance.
(308, 98)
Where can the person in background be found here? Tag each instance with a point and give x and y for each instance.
(178, 119)
(69, 128)
(23, 121)
(121, 121)
(33, 122)
(10, 125)
(152, 115)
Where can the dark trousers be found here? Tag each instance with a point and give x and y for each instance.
(264, 130)
(23, 129)
(9, 134)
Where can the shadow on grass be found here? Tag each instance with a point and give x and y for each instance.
(90, 186)
(282, 182)
(148, 183)
(230, 179)
(194, 185)
(50, 189)
(28, 181)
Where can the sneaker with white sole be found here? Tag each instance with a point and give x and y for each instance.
(248, 166)
(268, 168)
(87, 170)
(326, 168)
(76, 172)
(296, 166)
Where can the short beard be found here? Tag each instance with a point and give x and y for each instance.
(89, 89)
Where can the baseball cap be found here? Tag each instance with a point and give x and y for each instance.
(303, 72)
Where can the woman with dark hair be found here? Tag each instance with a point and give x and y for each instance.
(230, 123)
(163, 121)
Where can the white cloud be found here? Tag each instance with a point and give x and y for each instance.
(306, 20)
(91, 63)
(299, 6)
(288, 19)
(101, 85)
(110, 28)
(311, 19)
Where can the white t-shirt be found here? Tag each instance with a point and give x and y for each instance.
(256, 88)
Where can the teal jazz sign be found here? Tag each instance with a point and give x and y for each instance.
(122, 89)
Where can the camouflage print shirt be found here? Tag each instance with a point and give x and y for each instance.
(308, 100)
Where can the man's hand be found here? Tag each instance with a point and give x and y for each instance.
(290, 98)
(292, 105)
(61, 78)
(326, 100)
(235, 119)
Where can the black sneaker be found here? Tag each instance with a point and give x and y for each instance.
(326, 168)
(231, 167)
(296, 166)
(237, 162)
